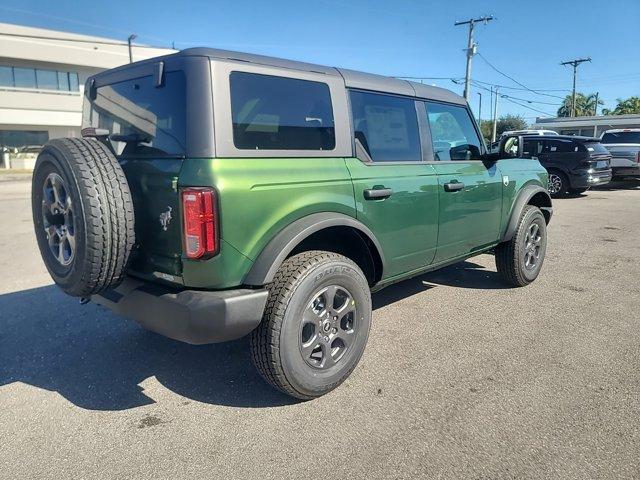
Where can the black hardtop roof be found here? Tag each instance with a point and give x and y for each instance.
(352, 78)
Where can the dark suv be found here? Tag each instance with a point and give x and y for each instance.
(574, 163)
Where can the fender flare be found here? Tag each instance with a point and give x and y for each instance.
(279, 247)
(522, 200)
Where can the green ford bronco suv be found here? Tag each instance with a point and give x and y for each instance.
(216, 194)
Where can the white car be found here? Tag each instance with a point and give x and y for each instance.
(528, 132)
(624, 146)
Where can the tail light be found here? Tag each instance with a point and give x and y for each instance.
(200, 222)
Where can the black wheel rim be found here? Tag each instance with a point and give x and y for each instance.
(555, 183)
(328, 328)
(532, 246)
(57, 219)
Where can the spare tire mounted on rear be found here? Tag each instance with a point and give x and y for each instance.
(82, 214)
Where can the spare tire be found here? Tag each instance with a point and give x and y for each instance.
(82, 214)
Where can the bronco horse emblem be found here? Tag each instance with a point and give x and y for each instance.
(165, 218)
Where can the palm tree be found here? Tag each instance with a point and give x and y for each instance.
(585, 105)
(625, 107)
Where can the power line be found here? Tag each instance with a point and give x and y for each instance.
(537, 92)
(76, 40)
(525, 89)
(556, 104)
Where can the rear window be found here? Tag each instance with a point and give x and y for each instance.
(621, 137)
(143, 120)
(596, 147)
(278, 113)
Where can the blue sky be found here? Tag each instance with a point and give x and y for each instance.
(414, 38)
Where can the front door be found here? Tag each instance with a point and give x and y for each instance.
(396, 193)
(470, 191)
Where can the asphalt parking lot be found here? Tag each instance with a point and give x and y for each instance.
(462, 378)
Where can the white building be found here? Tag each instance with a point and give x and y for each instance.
(587, 126)
(42, 76)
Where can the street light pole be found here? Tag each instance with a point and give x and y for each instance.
(574, 64)
(471, 49)
(132, 37)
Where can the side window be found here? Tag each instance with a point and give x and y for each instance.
(531, 148)
(452, 132)
(278, 113)
(560, 146)
(386, 126)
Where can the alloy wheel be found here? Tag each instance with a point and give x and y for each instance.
(57, 219)
(532, 246)
(328, 327)
(555, 183)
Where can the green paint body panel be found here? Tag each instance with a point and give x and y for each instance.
(419, 227)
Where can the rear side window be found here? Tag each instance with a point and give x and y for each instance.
(561, 146)
(621, 137)
(144, 120)
(452, 132)
(278, 113)
(531, 147)
(386, 126)
(596, 147)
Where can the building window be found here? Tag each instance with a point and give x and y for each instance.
(17, 140)
(277, 113)
(18, 77)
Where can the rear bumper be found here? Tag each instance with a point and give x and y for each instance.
(584, 180)
(191, 316)
(626, 171)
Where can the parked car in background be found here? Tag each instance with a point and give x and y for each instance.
(574, 163)
(528, 132)
(624, 145)
(25, 157)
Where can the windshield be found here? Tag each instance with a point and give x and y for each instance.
(621, 137)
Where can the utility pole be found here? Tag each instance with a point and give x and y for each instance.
(495, 117)
(574, 64)
(471, 48)
(131, 38)
(595, 107)
(480, 109)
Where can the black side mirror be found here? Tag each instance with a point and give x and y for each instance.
(511, 147)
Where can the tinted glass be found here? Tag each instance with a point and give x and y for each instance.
(24, 77)
(277, 113)
(47, 79)
(596, 148)
(21, 138)
(386, 126)
(452, 132)
(150, 121)
(561, 146)
(621, 137)
(531, 148)
(6, 77)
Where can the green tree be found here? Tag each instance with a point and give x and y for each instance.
(627, 106)
(505, 123)
(585, 105)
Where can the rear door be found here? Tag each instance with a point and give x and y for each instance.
(145, 110)
(396, 192)
(470, 192)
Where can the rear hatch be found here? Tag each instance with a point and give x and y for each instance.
(599, 157)
(144, 108)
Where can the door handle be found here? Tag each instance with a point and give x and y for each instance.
(377, 193)
(453, 186)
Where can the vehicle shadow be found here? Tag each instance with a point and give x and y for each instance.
(98, 360)
(619, 185)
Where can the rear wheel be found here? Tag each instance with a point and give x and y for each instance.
(520, 259)
(315, 326)
(558, 183)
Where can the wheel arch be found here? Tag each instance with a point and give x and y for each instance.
(356, 241)
(529, 195)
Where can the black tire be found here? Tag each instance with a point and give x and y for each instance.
(92, 233)
(297, 292)
(512, 256)
(558, 183)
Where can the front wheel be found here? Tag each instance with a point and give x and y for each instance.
(520, 259)
(315, 325)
